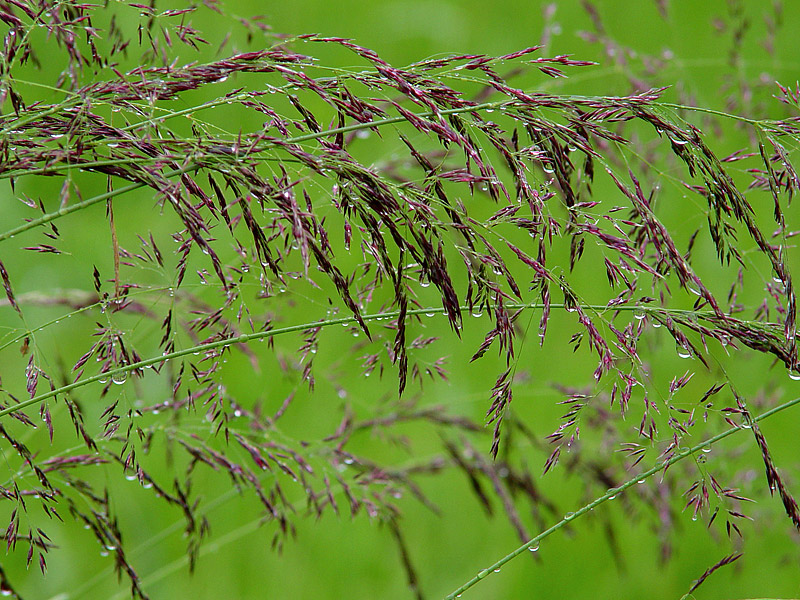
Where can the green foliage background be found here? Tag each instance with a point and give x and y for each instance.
(340, 557)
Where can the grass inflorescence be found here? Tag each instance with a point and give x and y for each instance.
(262, 207)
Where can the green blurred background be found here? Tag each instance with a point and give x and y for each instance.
(357, 558)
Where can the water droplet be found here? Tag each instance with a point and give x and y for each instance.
(683, 351)
(482, 574)
(794, 375)
(655, 324)
(612, 497)
(497, 570)
(424, 283)
(639, 314)
(533, 548)
(119, 377)
(569, 516)
(706, 449)
(429, 314)
(477, 313)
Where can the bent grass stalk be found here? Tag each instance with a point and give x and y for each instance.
(291, 140)
(66, 210)
(260, 335)
(610, 495)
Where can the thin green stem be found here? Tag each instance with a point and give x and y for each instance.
(302, 138)
(711, 111)
(240, 339)
(83, 165)
(611, 494)
(17, 123)
(77, 294)
(192, 110)
(260, 335)
(85, 203)
(192, 165)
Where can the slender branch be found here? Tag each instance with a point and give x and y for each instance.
(313, 136)
(711, 111)
(259, 335)
(66, 210)
(533, 543)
